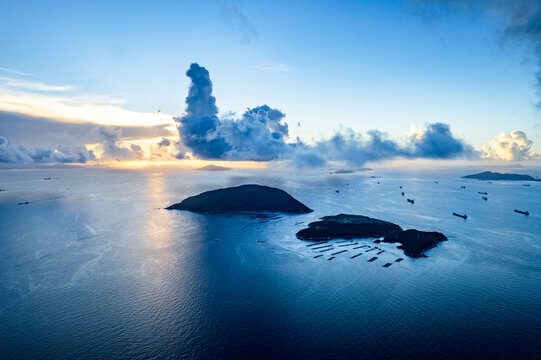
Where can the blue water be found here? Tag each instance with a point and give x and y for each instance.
(94, 267)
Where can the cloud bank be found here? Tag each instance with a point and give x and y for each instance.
(39, 154)
(261, 134)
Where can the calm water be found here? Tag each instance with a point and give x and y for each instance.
(94, 267)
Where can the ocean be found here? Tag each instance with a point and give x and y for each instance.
(95, 267)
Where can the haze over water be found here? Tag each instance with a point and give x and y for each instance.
(95, 267)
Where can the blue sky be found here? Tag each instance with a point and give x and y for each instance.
(325, 64)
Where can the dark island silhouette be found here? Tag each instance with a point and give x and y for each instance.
(249, 197)
(212, 167)
(346, 226)
(489, 175)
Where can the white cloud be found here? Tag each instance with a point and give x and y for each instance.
(16, 72)
(510, 146)
(32, 85)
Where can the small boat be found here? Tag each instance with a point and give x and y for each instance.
(435, 182)
(317, 256)
(372, 259)
(387, 265)
(337, 191)
(402, 193)
(462, 187)
(461, 216)
(484, 198)
(24, 203)
(354, 256)
(522, 212)
(525, 184)
(401, 186)
(482, 193)
(261, 241)
(399, 260)
(47, 178)
(411, 201)
(338, 252)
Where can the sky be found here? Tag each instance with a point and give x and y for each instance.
(355, 81)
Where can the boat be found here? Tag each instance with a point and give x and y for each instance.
(26, 203)
(402, 193)
(522, 212)
(484, 198)
(482, 193)
(411, 201)
(435, 182)
(462, 186)
(459, 215)
(525, 184)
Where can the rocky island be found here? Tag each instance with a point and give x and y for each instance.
(489, 175)
(249, 197)
(345, 226)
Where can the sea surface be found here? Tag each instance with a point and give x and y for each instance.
(94, 267)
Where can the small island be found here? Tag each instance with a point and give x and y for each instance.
(249, 197)
(212, 167)
(489, 175)
(345, 226)
(343, 171)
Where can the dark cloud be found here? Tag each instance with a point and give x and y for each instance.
(38, 154)
(164, 142)
(437, 142)
(258, 135)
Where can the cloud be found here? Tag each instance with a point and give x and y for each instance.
(437, 142)
(261, 134)
(75, 108)
(510, 146)
(32, 85)
(164, 142)
(236, 20)
(38, 154)
(48, 132)
(111, 150)
(12, 71)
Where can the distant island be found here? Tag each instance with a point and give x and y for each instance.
(346, 226)
(249, 197)
(488, 175)
(212, 168)
(343, 171)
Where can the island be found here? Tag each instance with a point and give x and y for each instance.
(250, 197)
(346, 226)
(489, 175)
(212, 167)
(343, 171)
